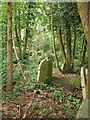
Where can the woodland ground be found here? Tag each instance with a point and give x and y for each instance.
(60, 99)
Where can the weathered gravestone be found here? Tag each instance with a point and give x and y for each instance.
(49, 73)
(45, 71)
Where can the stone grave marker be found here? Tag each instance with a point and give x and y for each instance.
(49, 73)
(42, 71)
(45, 71)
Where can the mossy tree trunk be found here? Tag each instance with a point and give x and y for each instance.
(9, 50)
(53, 42)
(27, 30)
(59, 35)
(69, 57)
(74, 45)
(17, 27)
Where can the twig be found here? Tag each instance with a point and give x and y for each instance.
(28, 106)
(19, 110)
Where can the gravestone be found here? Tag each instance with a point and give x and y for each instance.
(49, 73)
(45, 71)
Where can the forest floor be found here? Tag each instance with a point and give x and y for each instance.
(60, 99)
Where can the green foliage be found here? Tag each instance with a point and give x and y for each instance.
(10, 97)
(32, 21)
(76, 82)
(4, 67)
(39, 39)
(41, 110)
(36, 105)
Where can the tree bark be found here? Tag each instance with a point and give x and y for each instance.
(68, 67)
(27, 30)
(17, 32)
(84, 15)
(19, 29)
(74, 45)
(9, 50)
(83, 53)
(17, 37)
(53, 43)
(61, 45)
(84, 11)
(69, 58)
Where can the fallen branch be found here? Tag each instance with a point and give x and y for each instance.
(28, 106)
(19, 110)
(18, 60)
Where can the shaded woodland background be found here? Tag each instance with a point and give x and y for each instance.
(33, 35)
(37, 30)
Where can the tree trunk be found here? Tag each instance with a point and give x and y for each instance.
(61, 45)
(26, 40)
(53, 43)
(69, 46)
(84, 15)
(17, 37)
(19, 29)
(9, 50)
(27, 30)
(16, 30)
(83, 53)
(84, 11)
(68, 66)
(74, 45)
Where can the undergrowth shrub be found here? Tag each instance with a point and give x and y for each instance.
(76, 82)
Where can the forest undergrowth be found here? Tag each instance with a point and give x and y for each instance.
(59, 99)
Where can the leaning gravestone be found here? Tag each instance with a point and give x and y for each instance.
(45, 71)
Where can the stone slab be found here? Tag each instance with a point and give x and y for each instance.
(84, 110)
(42, 71)
(45, 71)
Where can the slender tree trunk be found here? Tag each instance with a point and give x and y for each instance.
(69, 65)
(26, 38)
(81, 49)
(17, 37)
(19, 33)
(9, 50)
(84, 11)
(27, 29)
(16, 30)
(53, 43)
(19, 30)
(83, 53)
(74, 45)
(61, 45)
(69, 46)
